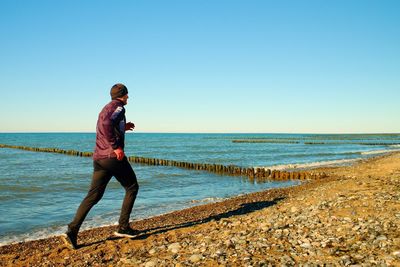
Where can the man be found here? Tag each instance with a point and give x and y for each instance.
(109, 160)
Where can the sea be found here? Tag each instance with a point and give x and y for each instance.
(40, 192)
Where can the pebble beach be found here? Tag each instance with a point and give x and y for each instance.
(349, 218)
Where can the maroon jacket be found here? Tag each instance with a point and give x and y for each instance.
(110, 130)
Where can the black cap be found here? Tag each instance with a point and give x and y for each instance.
(118, 90)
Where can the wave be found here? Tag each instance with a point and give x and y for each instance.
(312, 164)
(375, 152)
(208, 200)
(328, 163)
(35, 235)
(55, 230)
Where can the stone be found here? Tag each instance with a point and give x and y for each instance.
(306, 245)
(152, 251)
(151, 263)
(195, 258)
(126, 261)
(229, 244)
(174, 247)
(381, 238)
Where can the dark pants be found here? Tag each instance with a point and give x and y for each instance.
(103, 171)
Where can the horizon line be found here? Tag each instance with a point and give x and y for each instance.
(144, 132)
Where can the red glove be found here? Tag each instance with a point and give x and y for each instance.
(129, 126)
(120, 153)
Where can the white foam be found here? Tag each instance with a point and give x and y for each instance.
(208, 200)
(35, 235)
(375, 152)
(329, 162)
(52, 231)
(311, 164)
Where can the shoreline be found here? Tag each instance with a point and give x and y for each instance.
(100, 240)
(301, 167)
(141, 223)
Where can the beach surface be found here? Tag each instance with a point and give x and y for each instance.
(350, 217)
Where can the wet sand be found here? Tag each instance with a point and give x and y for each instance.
(350, 217)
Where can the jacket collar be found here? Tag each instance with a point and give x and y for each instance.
(119, 101)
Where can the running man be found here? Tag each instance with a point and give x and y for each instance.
(109, 160)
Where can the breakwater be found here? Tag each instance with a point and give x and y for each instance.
(253, 174)
(265, 141)
(313, 143)
(351, 143)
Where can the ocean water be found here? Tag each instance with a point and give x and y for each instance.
(40, 192)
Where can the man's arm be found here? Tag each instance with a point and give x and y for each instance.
(109, 125)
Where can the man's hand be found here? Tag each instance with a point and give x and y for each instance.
(129, 126)
(120, 153)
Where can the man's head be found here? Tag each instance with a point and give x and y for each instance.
(119, 91)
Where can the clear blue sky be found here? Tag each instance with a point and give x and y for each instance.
(202, 66)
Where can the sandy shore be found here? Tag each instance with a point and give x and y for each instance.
(351, 217)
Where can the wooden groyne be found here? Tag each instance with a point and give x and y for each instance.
(351, 143)
(312, 143)
(253, 174)
(265, 141)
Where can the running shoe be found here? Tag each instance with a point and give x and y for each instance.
(126, 232)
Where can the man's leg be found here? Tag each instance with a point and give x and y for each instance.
(100, 179)
(127, 178)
